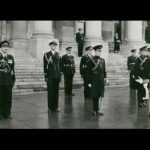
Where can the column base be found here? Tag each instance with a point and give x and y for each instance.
(19, 43)
(38, 46)
(65, 44)
(105, 49)
(126, 48)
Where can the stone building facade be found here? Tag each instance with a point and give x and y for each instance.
(34, 36)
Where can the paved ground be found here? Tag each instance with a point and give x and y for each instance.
(119, 107)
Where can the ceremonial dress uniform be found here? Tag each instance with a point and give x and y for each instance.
(52, 71)
(130, 65)
(7, 81)
(68, 69)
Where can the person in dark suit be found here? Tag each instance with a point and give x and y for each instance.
(68, 69)
(139, 75)
(80, 41)
(130, 65)
(7, 81)
(116, 43)
(98, 80)
(85, 69)
(52, 72)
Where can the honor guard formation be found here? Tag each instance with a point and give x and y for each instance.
(92, 70)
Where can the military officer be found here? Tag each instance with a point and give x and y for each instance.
(68, 70)
(98, 80)
(146, 67)
(139, 74)
(52, 71)
(85, 69)
(130, 65)
(7, 80)
(80, 41)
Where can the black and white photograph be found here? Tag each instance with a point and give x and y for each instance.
(75, 74)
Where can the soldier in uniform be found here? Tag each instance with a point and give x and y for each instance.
(85, 69)
(139, 74)
(98, 80)
(7, 81)
(80, 41)
(130, 65)
(52, 72)
(146, 67)
(68, 69)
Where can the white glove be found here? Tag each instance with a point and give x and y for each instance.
(89, 85)
(106, 80)
(140, 80)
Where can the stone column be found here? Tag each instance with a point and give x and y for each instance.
(3, 30)
(123, 31)
(93, 37)
(41, 37)
(65, 32)
(19, 34)
(133, 37)
(43, 29)
(79, 24)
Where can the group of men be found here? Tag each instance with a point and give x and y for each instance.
(140, 74)
(92, 70)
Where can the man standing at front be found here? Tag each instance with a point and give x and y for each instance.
(98, 80)
(52, 72)
(7, 81)
(68, 69)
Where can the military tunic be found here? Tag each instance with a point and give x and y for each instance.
(140, 72)
(52, 71)
(98, 75)
(85, 71)
(68, 69)
(7, 81)
(97, 78)
(130, 64)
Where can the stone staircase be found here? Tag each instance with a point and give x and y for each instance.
(30, 77)
(117, 72)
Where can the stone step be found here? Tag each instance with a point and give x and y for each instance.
(17, 91)
(30, 80)
(30, 76)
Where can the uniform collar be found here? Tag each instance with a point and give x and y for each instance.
(53, 52)
(4, 55)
